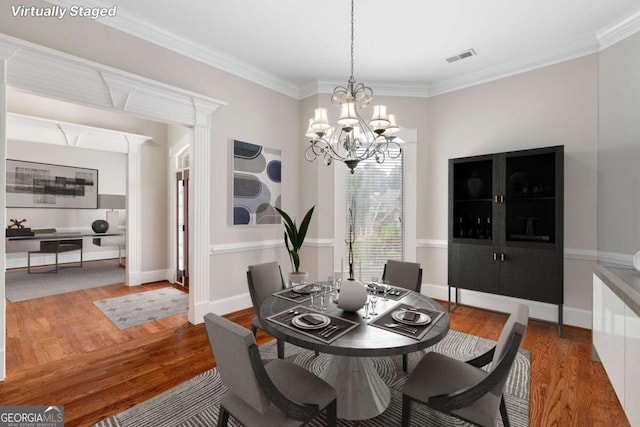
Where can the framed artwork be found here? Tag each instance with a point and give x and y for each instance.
(256, 184)
(42, 185)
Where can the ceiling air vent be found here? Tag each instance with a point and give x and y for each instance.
(463, 55)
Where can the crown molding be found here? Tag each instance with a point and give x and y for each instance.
(619, 30)
(139, 27)
(48, 72)
(565, 52)
(416, 90)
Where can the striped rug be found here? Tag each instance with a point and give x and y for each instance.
(194, 403)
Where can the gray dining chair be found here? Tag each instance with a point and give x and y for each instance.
(463, 389)
(407, 275)
(277, 394)
(264, 280)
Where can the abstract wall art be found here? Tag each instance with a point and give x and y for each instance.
(256, 184)
(41, 185)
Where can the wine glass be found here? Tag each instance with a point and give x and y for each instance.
(374, 301)
(366, 308)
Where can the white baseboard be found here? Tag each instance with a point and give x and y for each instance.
(155, 276)
(230, 304)
(537, 310)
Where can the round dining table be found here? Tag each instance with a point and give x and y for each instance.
(361, 392)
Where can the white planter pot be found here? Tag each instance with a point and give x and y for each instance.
(297, 278)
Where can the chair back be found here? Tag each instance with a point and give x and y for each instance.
(264, 280)
(230, 345)
(517, 323)
(403, 274)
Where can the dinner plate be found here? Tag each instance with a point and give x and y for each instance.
(305, 289)
(379, 287)
(636, 260)
(398, 316)
(298, 321)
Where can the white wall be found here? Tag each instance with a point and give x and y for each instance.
(619, 151)
(555, 105)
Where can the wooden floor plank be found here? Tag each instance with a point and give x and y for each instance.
(61, 350)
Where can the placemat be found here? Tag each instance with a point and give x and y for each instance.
(394, 293)
(290, 295)
(336, 328)
(417, 331)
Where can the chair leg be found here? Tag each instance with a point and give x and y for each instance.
(254, 330)
(280, 345)
(405, 363)
(223, 417)
(503, 413)
(406, 410)
(332, 414)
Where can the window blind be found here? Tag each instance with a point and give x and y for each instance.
(376, 192)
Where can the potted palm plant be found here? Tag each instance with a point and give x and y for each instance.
(293, 240)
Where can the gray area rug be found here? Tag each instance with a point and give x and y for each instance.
(22, 286)
(195, 402)
(133, 310)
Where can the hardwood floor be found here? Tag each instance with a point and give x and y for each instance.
(62, 351)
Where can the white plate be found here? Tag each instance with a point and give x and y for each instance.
(300, 323)
(398, 316)
(305, 289)
(636, 260)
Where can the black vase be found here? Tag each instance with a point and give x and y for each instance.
(100, 226)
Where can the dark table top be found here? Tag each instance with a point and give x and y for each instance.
(364, 340)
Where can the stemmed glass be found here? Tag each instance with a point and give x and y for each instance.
(374, 301)
(366, 308)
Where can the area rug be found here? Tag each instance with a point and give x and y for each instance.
(133, 310)
(195, 402)
(22, 286)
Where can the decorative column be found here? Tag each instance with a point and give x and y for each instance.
(199, 211)
(134, 215)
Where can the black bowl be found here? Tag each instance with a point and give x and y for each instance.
(100, 226)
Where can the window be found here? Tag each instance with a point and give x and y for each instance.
(376, 190)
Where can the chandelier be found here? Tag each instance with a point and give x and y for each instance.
(353, 139)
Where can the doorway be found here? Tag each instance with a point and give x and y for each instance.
(182, 228)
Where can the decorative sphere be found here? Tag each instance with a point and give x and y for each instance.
(100, 226)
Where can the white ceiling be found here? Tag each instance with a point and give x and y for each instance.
(297, 46)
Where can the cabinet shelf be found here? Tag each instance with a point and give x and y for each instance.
(515, 198)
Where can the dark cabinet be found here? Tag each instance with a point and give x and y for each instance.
(506, 225)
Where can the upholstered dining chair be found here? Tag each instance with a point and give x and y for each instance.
(278, 394)
(463, 389)
(264, 280)
(406, 275)
(403, 274)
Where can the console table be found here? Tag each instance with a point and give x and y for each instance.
(55, 243)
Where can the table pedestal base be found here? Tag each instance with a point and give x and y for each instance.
(361, 393)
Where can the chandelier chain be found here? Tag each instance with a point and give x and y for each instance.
(352, 38)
